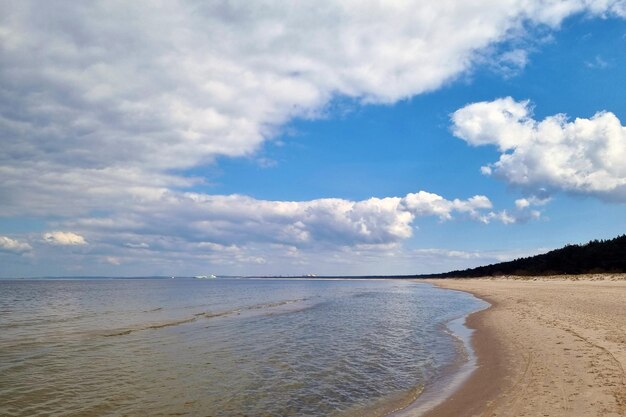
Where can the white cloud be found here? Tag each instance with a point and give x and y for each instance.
(143, 87)
(584, 156)
(64, 239)
(105, 99)
(237, 234)
(510, 62)
(219, 223)
(517, 58)
(13, 246)
(523, 203)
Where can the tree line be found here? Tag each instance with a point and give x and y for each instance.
(596, 256)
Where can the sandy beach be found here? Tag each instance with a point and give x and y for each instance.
(552, 346)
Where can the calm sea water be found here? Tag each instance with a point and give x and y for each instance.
(225, 347)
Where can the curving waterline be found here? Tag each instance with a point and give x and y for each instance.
(456, 374)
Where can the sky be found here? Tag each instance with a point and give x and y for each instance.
(287, 138)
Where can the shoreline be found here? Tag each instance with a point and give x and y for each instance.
(482, 384)
(545, 346)
(455, 374)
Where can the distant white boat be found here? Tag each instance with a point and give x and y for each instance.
(205, 276)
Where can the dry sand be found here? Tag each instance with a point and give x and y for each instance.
(546, 347)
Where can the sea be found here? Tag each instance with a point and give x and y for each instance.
(225, 347)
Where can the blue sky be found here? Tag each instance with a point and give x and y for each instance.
(133, 152)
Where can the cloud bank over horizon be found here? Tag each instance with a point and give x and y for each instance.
(218, 221)
(235, 231)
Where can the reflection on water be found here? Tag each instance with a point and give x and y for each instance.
(220, 347)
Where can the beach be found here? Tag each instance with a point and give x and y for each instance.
(549, 346)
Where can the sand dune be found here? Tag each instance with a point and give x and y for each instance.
(547, 347)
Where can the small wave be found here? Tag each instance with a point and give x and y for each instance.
(197, 316)
(363, 295)
(53, 320)
(388, 406)
(276, 304)
(24, 359)
(33, 322)
(403, 400)
(120, 333)
(162, 325)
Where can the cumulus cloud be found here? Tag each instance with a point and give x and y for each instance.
(522, 203)
(532, 200)
(64, 239)
(223, 223)
(176, 232)
(101, 86)
(98, 99)
(193, 258)
(13, 246)
(584, 156)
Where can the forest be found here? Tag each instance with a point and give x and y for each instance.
(596, 256)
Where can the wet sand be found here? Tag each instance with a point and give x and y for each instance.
(552, 346)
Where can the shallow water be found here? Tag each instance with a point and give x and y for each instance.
(226, 347)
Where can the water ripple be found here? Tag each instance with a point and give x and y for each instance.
(224, 349)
